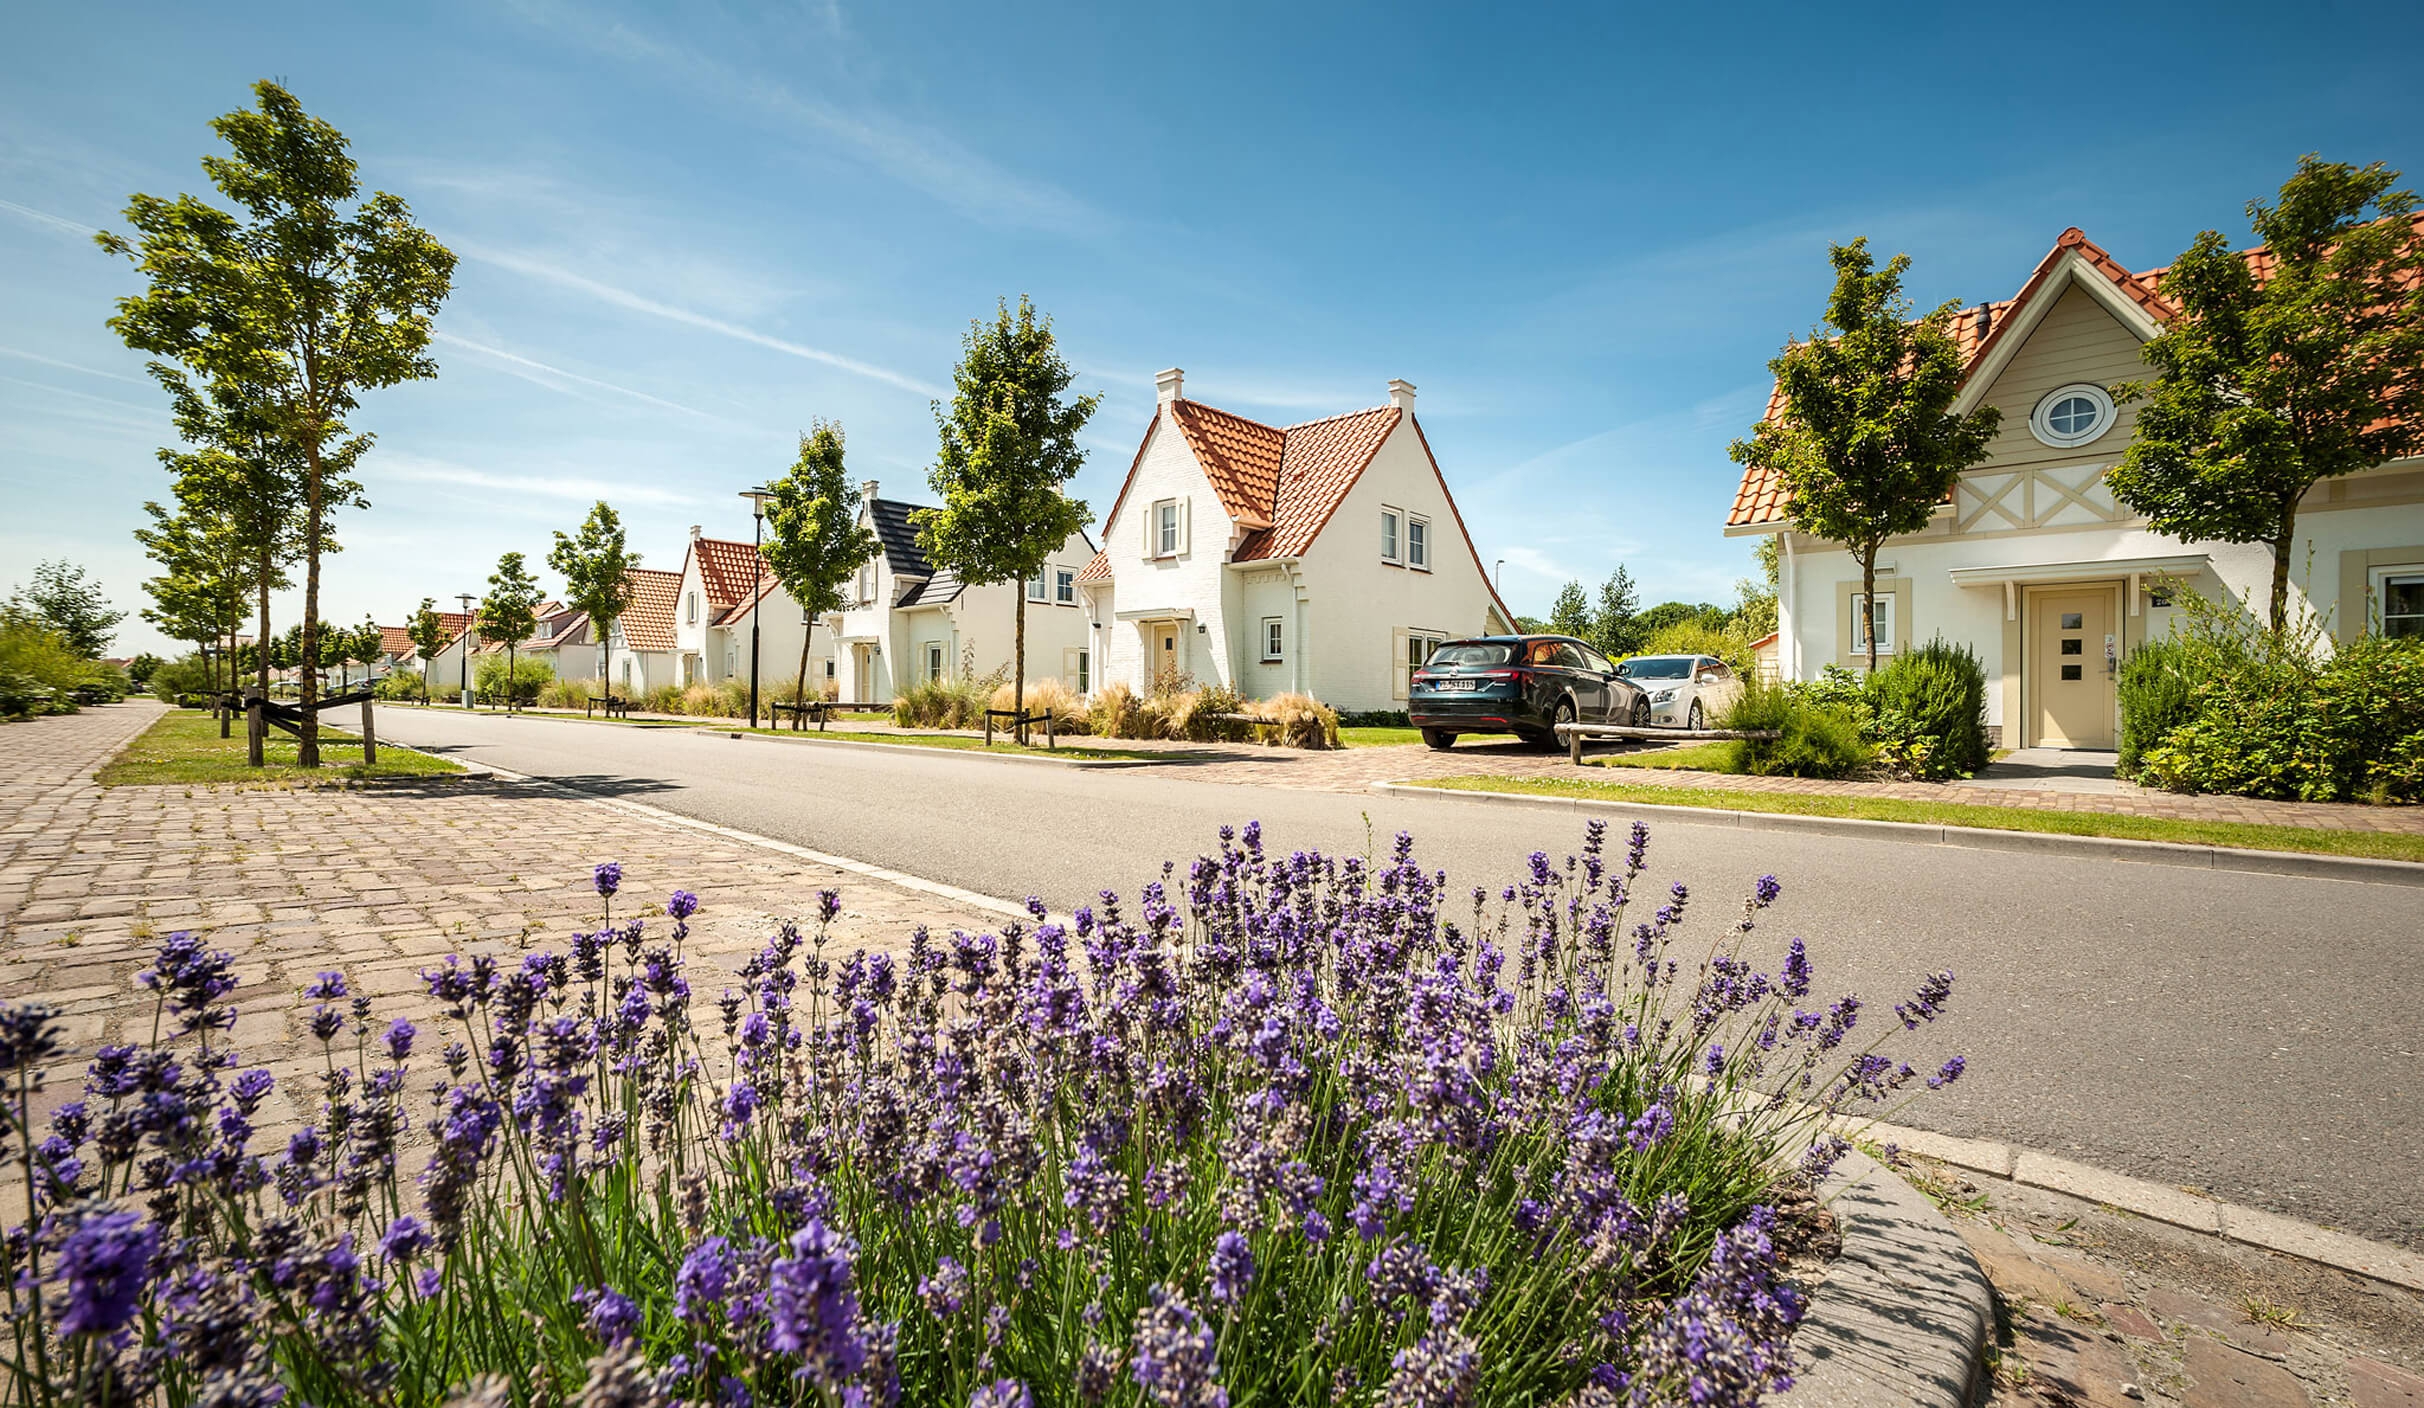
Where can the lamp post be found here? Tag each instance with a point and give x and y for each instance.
(464, 640)
(757, 561)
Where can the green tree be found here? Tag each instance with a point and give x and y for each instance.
(1754, 615)
(429, 636)
(1867, 443)
(1571, 615)
(205, 575)
(63, 599)
(290, 310)
(510, 611)
(1009, 449)
(1614, 628)
(2264, 389)
(816, 543)
(597, 578)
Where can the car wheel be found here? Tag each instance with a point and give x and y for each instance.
(1641, 712)
(1692, 720)
(1439, 739)
(1563, 716)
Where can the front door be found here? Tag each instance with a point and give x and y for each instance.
(1165, 652)
(2073, 658)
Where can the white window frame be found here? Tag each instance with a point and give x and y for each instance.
(1085, 670)
(866, 583)
(2377, 582)
(1166, 525)
(1064, 586)
(1036, 588)
(694, 608)
(934, 662)
(1418, 542)
(1274, 639)
(2040, 422)
(1392, 535)
(1885, 624)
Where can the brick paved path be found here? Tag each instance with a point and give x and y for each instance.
(377, 882)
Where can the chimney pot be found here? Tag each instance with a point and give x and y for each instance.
(867, 490)
(1401, 394)
(694, 532)
(1168, 385)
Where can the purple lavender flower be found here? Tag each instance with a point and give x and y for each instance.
(612, 1316)
(1951, 1072)
(329, 987)
(945, 1290)
(608, 878)
(27, 1034)
(1232, 1268)
(704, 1279)
(404, 1240)
(1002, 1393)
(682, 905)
(106, 1263)
(812, 1310)
(399, 1039)
(1172, 1358)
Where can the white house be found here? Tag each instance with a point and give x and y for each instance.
(1333, 558)
(908, 622)
(2033, 565)
(644, 652)
(723, 594)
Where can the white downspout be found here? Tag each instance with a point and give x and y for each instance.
(1790, 618)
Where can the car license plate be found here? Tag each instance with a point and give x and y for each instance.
(1453, 684)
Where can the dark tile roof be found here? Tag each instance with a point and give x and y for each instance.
(899, 537)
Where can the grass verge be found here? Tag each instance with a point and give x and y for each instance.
(1687, 757)
(1377, 737)
(2241, 835)
(184, 746)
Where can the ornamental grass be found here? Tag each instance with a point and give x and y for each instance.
(1287, 1129)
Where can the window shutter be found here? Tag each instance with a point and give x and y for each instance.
(1186, 524)
(1148, 516)
(1397, 664)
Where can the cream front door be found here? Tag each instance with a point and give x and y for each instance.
(2072, 659)
(1165, 652)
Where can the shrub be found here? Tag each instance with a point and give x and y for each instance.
(1116, 713)
(24, 697)
(1298, 1122)
(490, 679)
(47, 669)
(1815, 739)
(1067, 707)
(1211, 714)
(561, 693)
(186, 679)
(663, 699)
(1928, 712)
(1699, 637)
(1295, 721)
(1366, 718)
(402, 684)
(2158, 684)
(957, 703)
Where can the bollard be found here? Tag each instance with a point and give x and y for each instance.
(370, 737)
(253, 727)
(1574, 746)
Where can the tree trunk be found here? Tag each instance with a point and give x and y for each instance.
(307, 748)
(605, 658)
(1018, 668)
(1868, 604)
(509, 679)
(2282, 546)
(799, 691)
(261, 655)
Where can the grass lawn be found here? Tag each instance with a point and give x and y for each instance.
(1691, 757)
(1377, 737)
(2243, 835)
(184, 746)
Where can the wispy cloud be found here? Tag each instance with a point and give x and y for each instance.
(918, 157)
(417, 469)
(637, 303)
(44, 218)
(541, 374)
(24, 355)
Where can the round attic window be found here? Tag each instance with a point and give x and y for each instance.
(2072, 415)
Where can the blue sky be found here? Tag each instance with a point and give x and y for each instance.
(686, 233)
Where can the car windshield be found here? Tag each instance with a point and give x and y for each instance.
(1468, 652)
(1657, 667)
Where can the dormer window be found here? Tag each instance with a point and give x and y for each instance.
(2072, 415)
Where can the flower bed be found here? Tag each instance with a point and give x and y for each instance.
(1289, 1129)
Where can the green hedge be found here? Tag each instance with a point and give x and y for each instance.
(2284, 724)
(1927, 711)
(1817, 739)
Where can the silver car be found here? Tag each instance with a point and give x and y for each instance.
(1684, 691)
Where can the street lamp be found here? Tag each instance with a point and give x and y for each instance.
(464, 640)
(757, 560)
(1498, 575)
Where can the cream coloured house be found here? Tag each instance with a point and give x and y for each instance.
(908, 622)
(724, 594)
(2033, 565)
(1331, 559)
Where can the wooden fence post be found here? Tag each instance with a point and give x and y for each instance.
(1574, 746)
(254, 726)
(370, 737)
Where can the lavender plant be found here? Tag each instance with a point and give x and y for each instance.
(1292, 1129)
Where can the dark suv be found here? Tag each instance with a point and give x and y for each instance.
(1524, 685)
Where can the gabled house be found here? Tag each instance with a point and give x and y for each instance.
(396, 650)
(724, 594)
(444, 670)
(1333, 559)
(645, 650)
(2032, 564)
(907, 622)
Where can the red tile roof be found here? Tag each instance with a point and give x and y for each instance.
(648, 620)
(1097, 569)
(395, 642)
(1241, 457)
(1762, 496)
(728, 570)
(1323, 460)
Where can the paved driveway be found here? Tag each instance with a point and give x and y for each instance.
(2247, 1034)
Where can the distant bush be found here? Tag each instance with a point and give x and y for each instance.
(563, 693)
(1363, 718)
(399, 685)
(943, 704)
(1067, 707)
(1814, 739)
(491, 679)
(45, 674)
(187, 680)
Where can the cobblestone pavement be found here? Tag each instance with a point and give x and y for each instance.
(378, 882)
(2096, 1307)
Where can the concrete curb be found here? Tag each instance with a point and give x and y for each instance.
(1050, 762)
(2355, 869)
(2254, 1227)
(1904, 1312)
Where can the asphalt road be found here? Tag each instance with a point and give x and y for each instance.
(2249, 1035)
